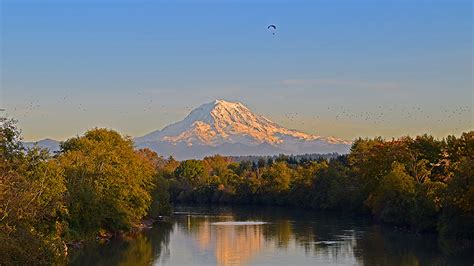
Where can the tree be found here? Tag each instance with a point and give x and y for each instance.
(276, 182)
(191, 171)
(334, 189)
(371, 160)
(427, 205)
(394, 197)
(32, 207)
(108, 183)
(457, 219)
(160, 196)
(10, 139)
(301, 187)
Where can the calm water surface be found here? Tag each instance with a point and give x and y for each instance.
(270, 236)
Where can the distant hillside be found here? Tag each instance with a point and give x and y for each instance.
(50, 144)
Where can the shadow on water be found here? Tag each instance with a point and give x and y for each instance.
(288, 236)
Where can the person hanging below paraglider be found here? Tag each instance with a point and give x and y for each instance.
(272, 28)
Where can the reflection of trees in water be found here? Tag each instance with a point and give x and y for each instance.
(237, 245)
(328, 237)
(138, 252)
(232, 245)
(384, 246)
(159, 236)
(141, 249)
(324, 236)
(279, 232)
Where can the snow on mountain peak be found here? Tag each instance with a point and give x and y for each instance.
(220, 122)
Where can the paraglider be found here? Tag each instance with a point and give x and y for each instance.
(272, 28)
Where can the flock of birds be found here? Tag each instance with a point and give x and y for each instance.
(379, 115)
(385, 115)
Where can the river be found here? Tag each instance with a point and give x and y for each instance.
(199, 235)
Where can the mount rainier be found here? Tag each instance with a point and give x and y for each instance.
(230, 128)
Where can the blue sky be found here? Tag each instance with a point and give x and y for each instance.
(341, 68)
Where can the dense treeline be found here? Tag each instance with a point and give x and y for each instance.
(421, 183)
(98, 184)
(293, 158)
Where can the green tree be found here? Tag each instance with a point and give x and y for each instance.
(334, 189)
(394, 197)
(108, 183)
(32, 207)
(276, 182)
(371, 160)
(301, 187)
(457, 218)
(427, 205)
(191, 171)
(160, 204)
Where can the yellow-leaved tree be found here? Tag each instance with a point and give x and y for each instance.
(108, 182)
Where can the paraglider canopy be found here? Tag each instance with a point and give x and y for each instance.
(272, 28)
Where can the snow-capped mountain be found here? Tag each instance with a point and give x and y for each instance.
(230, 128)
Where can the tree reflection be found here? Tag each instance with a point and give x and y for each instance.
(280, 233)
(301, 236)
(239, 244)
(385, 246)
(236, 245)
(326, 237)
(232, 245)
(141, 249)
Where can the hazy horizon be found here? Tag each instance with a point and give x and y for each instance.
(340, 68)
(206, 103)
